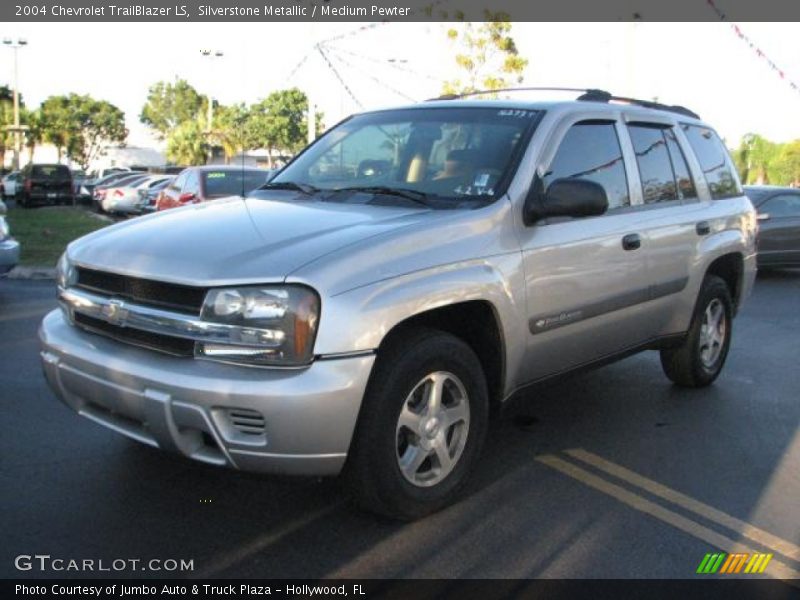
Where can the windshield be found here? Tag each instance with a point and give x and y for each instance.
(446, 154)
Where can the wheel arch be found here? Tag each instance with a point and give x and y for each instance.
(476, 323)
(730, 268)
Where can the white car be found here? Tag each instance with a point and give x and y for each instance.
(125, 199)
(10, 184)
(9, 247)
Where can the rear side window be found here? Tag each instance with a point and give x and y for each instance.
(50, 172)
(662, 167)
(590, 150)
(714, 161)
(683, 176)
(655, 165)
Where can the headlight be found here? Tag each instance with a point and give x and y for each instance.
(275, 325)
(4, 231)
(66, 275)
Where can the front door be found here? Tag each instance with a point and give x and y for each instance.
(586, 278)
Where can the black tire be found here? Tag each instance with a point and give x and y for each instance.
(687, 365)
(373, 471)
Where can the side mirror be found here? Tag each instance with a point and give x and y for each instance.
(565, 198)
(187, 197)
(762, 217)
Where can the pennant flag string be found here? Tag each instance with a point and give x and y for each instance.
(758, 51)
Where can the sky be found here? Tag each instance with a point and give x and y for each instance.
(703, 66)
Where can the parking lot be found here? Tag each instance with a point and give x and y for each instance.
(612, 474)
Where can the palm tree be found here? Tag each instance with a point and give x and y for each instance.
(187, 144)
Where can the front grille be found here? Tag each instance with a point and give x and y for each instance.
(153, 341)
(181, 298)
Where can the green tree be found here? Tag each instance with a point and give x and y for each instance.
(279, 122)
(230, 129)
(487, 58)
(6, 119)
(169, 105)
(80, 126)
(99, 124)
(188, 143)
(34, 135)
(785, 167)
(56, 123)
(753, 158)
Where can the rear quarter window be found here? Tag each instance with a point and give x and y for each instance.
(714, 161)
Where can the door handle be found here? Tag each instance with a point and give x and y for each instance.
(632, 241)
(703, 228)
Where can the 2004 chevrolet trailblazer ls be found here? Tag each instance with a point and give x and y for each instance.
(361, 312)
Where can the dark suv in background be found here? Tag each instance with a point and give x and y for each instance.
(45, 184)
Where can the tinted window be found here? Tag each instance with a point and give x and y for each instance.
(135, 181)
(228, 183)
(655, 166)
(714, 161)
(50, 172)
(783, 205)
(591, 151)
(683, 176)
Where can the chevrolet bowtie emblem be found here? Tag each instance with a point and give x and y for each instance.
(115, 312)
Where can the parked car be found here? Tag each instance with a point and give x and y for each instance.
(9, 247)
(79, 189)
(114, 180)
(361, 312)
(45, 184)
(200, 184)
(124, 198)
(10, 184)
(105, 176)
(149, 197)
(779, 225)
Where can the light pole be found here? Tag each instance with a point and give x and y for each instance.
(211, 55)
(16, 45)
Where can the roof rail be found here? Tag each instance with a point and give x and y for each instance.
(586, 95)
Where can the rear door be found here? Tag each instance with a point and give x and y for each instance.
(672, 215)
(586, 277)
(779, 230)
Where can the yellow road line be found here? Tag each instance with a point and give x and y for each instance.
(778, 569)
(744, 529)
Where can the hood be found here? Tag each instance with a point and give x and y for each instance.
(235, 240)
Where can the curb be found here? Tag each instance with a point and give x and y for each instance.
(32, 273)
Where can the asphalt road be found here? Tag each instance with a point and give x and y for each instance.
(702, 471)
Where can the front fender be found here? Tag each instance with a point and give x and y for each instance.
(359, 319)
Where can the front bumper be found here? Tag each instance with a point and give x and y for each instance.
(209, 411)
(9, 255)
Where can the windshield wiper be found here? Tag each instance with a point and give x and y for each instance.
(409, 194)
(304, 188)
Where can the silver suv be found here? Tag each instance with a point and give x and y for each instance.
(412, 268)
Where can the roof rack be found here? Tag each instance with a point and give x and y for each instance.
(586, 95)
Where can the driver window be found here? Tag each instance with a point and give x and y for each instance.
(370, 155)
(590, 150)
